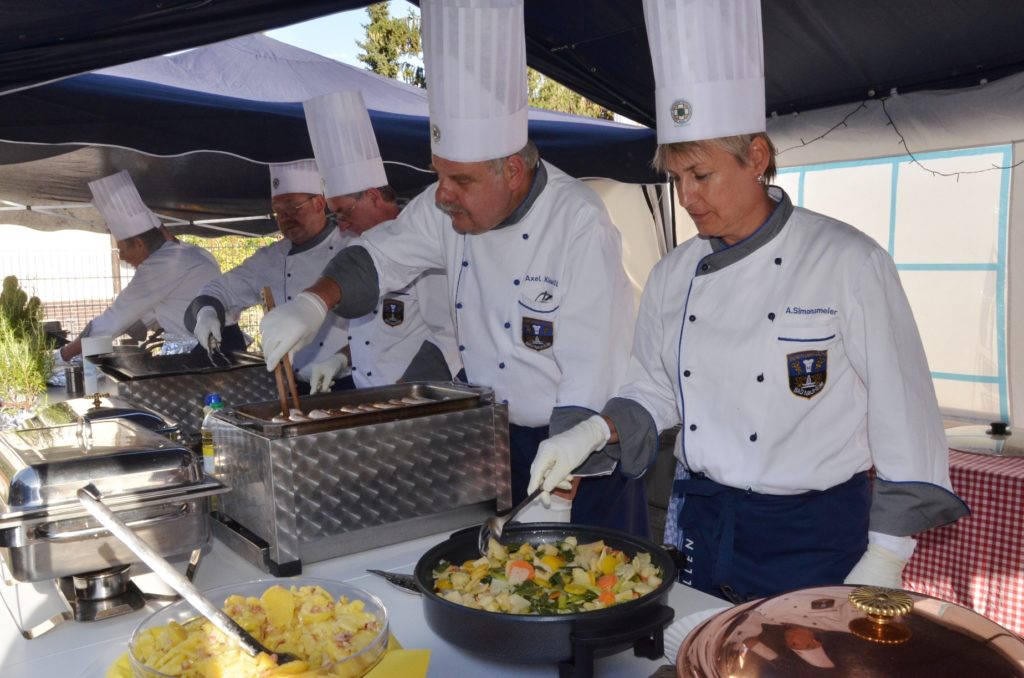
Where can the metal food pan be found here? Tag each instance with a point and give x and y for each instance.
(145, 366)
(441, 396)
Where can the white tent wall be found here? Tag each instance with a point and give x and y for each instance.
(945, 214)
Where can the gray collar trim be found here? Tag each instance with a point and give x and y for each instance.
(540, 180)
(723, 255)
(323, 235)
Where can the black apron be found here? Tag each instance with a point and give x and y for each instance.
(740, 544)
(612, 501)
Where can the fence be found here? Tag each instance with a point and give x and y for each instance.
(76, 285)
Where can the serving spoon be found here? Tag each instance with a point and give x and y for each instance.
(494, 525)
(89, 497)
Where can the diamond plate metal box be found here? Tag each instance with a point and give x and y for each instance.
(306, 498)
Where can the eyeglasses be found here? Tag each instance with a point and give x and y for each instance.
(346, 213)
(291, 209)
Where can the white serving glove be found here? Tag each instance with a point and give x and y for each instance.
(883, 562)
(325, 371)
(289, 327)
(207, 325)
(560, 454)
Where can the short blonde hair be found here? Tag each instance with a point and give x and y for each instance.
(737, 145)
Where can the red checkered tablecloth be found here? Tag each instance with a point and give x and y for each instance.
(978, 561)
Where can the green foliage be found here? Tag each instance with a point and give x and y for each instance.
(25, 359)
(390, 43)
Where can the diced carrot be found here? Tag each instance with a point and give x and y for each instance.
(518, 571)
(607, 581)
(607, 597)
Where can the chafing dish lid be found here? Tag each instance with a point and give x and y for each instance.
(101, 407)
(846, 630)
(997, 439)
(43, 468)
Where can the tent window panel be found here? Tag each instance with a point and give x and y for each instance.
(790, 182)
(963, 398)
(857, 194)
(956, 313)
(950, 219)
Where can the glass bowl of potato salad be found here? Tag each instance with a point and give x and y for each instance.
(335, 630)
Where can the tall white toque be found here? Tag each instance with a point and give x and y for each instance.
(300, 176)
(343, 143)
(474, 52)
(708, 67)
(119, 202)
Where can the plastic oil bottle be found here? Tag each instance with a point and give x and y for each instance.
(211, 404)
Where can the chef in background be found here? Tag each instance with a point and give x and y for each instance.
(287, 267)
(543, 308)
(167, 274)
(408, 335)
(780, 339)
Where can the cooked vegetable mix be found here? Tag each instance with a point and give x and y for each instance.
(550, 578)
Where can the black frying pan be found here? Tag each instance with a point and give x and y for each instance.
(540, 638)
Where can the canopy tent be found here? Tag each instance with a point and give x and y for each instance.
(194, 128)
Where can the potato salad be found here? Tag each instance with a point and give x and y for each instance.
(303, 620)
(550, 578)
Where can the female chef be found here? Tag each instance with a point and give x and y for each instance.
(783, 343)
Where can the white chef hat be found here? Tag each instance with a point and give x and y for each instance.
(119, 202)
(300, 176)
(708, 68)
(343, 143)
(474, 52)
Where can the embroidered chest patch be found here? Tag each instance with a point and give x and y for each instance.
(538, 334)
(807, 372)
(393, 312)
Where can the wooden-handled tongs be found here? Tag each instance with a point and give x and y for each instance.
(283, 369)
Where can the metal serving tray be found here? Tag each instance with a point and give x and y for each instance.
(99, 408)
(437, 397)
(146, 366)
(45, 533)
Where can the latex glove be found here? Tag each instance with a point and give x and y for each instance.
(878, 567)
(560, 454)
(207, 325)
(289, 327)
(325, 371)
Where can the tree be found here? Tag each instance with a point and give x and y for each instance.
(390, 43)
(393, 49)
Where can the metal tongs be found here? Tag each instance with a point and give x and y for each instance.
(213, 350)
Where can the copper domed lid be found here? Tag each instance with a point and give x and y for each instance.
(997, 439)
(849, 631)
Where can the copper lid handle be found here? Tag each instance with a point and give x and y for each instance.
(881, 605)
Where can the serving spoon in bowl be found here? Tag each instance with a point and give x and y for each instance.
(493, 526)
(89, 497)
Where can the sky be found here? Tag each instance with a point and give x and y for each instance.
(334, 36)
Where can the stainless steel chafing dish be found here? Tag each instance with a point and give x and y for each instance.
(174, 385)
(98, 408)
(155, 485)
(311, 490)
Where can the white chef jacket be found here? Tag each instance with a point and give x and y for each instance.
(286, 275)
(716, 352)
(555, 277)
(160, 291)
(383, 343)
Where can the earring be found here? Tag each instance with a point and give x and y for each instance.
(760, 179)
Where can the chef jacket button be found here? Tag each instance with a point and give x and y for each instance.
(686, 373)
(526, 236)
(465, 263)
(375, 311)
(753, 437)
(288, 275)
(778, 261)
(516, 281)
(461, 347)
(760, 377)
(367, 342)
(369, 374)
(458, 305)
(504, 402)
(331, 248)
(289, 298)
(350, 339)
(501, 366)
(508, 325)
(321, 343)
(693, 427)
(771, 316)
(704, 267)
(692, 318)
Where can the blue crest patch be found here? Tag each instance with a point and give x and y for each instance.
(393, 312)
(808, 371)
(538, 334)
